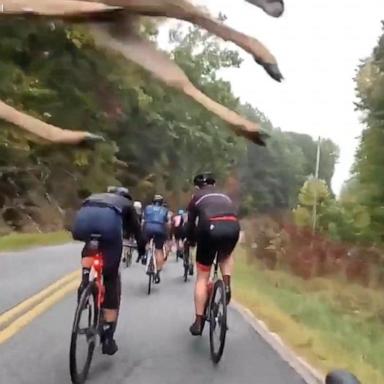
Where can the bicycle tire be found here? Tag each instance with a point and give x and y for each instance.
(79, 376)
(118, 282)
(128, 257)
(217, 353)
(186, 265)
(149, 283)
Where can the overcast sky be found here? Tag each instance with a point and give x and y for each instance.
(318, 44)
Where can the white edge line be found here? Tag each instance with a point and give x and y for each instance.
(309, 374)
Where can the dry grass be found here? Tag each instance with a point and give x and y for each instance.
(330, 323)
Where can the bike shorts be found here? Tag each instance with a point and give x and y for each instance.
(106, 222)
(179, 233)
(218, 237)
(158, 234)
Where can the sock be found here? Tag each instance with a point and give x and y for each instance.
(199, 319)
(109, 329)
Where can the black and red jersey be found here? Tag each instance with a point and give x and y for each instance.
(207, 205)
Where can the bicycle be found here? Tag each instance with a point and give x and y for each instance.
(90, 301)
(128, 247)
(151, 267)
(187, 262)
(216, 315)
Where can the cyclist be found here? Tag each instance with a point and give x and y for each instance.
(177, 229)
(217, 231)
(155, 227)
(169, 242)
(139, 209)
(109, 214)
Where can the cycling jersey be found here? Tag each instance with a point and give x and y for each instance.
(209, 204)
(124, 207)
(109, 215)
(155, 224)
(218, 228)
(177, 221)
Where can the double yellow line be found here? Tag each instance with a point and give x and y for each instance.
(18, 317)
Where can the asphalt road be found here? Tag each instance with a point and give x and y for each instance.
(25, 273)
(155, 345)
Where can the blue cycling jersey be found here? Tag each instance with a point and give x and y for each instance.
(155, 214)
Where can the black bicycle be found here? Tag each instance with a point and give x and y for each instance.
(216, 315)
(151, 266)
(129, 247)
(187, 262)
(88, 320)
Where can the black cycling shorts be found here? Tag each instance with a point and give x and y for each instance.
(216, 237)
(179, 233)
(159, 238)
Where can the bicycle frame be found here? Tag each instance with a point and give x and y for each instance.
(96, 275)
(215, 269)
(212, 280)
(151, 257)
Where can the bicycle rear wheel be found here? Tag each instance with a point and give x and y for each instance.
(217, 321)
(186, 265)
(85, 323)
(149, 283)
(128, 257)
(151, 273)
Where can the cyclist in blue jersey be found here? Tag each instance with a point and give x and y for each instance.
(155, 221)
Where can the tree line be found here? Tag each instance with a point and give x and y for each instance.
(156, 139)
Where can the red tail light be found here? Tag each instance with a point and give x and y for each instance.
(98, 262)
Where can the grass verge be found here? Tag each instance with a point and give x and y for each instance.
(18, 241)
(330, 323)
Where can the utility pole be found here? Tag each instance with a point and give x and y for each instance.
(314, 213)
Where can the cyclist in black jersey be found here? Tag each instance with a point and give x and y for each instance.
(217, 232)
(110, 215)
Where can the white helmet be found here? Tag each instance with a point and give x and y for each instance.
(138, 206)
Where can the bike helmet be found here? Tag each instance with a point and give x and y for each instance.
(202, 179)
(158, 199)
(341, 377)
(111, 189)
(138, 207)
(122, 191)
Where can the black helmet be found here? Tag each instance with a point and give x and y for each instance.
(158, 199)
(341, 377)
(205, 178)
(122, 191)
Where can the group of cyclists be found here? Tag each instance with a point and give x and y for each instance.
(210, 224)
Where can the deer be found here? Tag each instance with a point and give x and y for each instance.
(114, 25)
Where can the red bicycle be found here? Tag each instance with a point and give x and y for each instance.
(88, 320)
